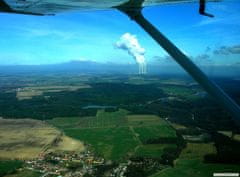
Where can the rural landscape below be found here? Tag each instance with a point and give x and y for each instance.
(73, 124)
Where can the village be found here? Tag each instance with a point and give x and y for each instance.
(67, 164)
(74, 164)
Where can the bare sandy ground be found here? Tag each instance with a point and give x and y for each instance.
(27, 138)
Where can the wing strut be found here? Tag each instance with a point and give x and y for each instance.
(202, 7)
(133, 9)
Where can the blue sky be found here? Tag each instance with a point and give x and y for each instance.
(92, 35)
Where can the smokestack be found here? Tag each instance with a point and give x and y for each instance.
(130, 43)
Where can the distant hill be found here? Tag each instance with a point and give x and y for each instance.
(72, 66)
(77, 66)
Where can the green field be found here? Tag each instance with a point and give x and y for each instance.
(29, 92)
(154, 132)
(178, 90)
(25, 173)
(117, 135)
(9, 166)
(101, 120)
(195, 168)
(154, 151)
(112, 143)
(145, 120)
(190, 163)
(65, 122)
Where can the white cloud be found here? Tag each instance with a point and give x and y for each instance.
(130, 43)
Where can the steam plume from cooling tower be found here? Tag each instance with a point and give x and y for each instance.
(130, 43)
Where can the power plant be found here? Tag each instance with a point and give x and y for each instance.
(142, 68)
(130, 43)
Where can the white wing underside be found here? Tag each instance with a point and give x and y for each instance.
(58, 6)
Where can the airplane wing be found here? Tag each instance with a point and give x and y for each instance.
(46, 7)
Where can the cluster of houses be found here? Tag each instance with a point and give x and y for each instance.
(120, 170)
(67, 164)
